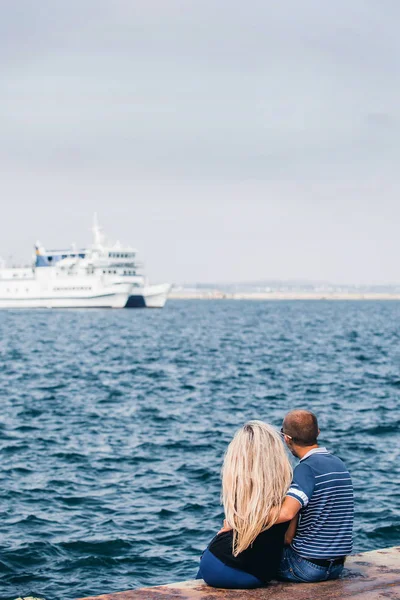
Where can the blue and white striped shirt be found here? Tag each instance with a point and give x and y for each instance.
(323, 487)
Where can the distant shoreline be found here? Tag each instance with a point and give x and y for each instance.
(218, 295)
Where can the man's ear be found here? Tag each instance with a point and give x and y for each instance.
(319, 431)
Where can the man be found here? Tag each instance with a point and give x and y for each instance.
(321, 498)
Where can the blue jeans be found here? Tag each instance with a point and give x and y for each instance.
(295, 568)
(217, 574)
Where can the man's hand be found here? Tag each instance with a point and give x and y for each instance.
(225, 527)
(289, 510)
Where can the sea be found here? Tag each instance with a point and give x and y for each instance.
(113, 427)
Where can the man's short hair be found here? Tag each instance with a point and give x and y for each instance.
(302, 426)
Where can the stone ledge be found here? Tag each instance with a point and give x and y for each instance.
(368, 576)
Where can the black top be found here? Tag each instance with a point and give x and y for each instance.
(261, 559)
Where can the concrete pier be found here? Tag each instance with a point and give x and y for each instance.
(368, 576)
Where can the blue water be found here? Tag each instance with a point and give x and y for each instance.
(113, 426)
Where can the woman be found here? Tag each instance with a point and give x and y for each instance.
(255, 478)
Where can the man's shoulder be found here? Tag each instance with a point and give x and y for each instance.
(324, 462)
(303, 471)
(304, 467)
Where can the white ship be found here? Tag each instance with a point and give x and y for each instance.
(101, 276)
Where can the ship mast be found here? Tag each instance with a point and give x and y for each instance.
(97, 233)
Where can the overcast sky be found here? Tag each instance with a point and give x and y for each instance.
(227, 140)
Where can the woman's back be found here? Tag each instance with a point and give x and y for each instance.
(260, 559)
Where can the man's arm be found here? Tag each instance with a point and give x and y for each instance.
(299, 493)
(291, 530)
(289, 510)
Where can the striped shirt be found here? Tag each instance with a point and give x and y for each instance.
(323, 487)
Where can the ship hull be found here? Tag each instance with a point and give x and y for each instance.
(101, 301)
(46, 289)
(151, 296)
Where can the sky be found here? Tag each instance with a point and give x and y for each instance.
(226, 140)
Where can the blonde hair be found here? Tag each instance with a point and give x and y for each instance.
(256, 475)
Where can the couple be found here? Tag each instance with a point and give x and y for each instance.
(278, 524)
